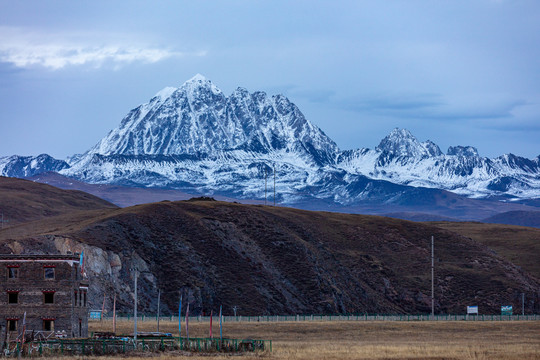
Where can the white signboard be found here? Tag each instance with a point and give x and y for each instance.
(472, 310)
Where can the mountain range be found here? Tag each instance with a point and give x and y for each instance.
(198, 140)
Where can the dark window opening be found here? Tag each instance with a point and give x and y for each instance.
(13, 272)
(84, 295)
(13, 298)
(48, 325)
(48, 273)
(80, 327)
(76, 297)
(12, 325)
(48, 298)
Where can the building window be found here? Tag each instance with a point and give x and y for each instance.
(12, 324)
(13, 272)
(48, 297)
(13, 297)
(48, 325)
(84, 296)
(48, 273)
(76, 298)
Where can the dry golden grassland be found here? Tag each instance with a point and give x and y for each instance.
(365, 340)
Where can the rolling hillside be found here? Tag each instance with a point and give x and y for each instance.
(517, 244)
(23, 201)
(270, 260)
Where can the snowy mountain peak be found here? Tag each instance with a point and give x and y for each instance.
(197, 78)
(198, 118)
(401, 143)
(199, 85)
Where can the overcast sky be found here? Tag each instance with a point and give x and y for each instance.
(454, 72)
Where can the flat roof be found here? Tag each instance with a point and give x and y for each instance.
(18, 257)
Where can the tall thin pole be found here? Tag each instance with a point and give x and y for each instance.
(158, 299)
(432, 279)
(522, 303)
(265, 187)
(114, 314)
(274, 184)
(103, 307)
(180, 317)
(135, 308)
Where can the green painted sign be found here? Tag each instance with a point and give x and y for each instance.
(506, 310)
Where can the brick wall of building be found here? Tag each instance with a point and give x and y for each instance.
(49, 288)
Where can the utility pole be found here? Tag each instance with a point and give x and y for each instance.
(158, 299)
(136, 273)
(274, 184)
(522, 303)
(234, 309)
(114, 314)
(432, 279)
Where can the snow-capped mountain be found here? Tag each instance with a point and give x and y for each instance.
(197, 139)
(198, 118)
(402, 159)
(26, 166)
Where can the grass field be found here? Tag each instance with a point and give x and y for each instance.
(367, 340)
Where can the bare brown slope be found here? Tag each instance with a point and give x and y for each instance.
(23, 201)
(521, 218)
(517, 244)
(269, 260)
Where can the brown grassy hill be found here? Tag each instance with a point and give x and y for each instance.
(23, 201)
(521, 218)
(517, 244)
(269, 260)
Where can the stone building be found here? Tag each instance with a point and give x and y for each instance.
(50, 289)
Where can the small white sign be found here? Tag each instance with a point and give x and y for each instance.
(472, 309)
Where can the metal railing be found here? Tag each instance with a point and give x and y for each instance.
(350, 317)
(126, 345)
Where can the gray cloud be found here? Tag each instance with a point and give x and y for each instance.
(24, 49)
(431, 106)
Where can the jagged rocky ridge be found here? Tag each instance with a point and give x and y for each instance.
(196, 139)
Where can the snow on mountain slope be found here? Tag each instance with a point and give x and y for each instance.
(402, 159)
(196, 138)
(198, 118)
(25, 166)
